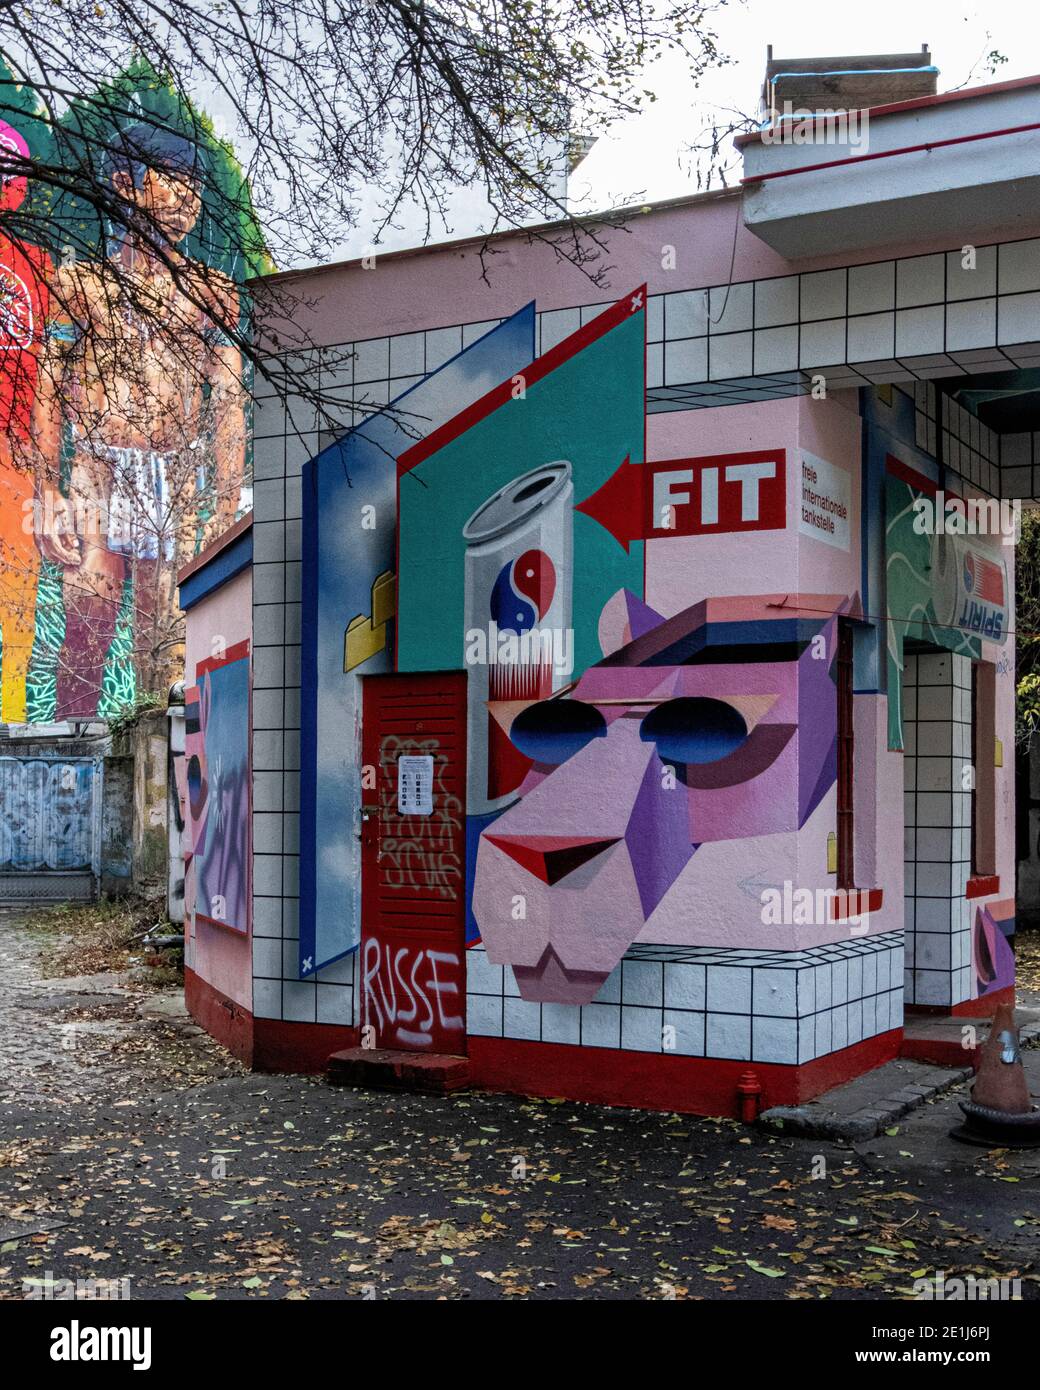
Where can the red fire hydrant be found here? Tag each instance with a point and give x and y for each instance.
(749, 1090)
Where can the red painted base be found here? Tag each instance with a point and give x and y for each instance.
(222, 1018)
(985, 1005)
(265, 1044)
(299, 1047)
(653, 1081)
(605, 1076)
(981, 1007)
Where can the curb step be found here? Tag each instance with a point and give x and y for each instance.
(815, 1121)
(831, 1116)
(384, 1069)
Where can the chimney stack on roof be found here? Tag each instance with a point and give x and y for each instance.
(847, 83)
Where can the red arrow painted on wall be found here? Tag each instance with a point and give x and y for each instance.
(713, 495)
(619, 505)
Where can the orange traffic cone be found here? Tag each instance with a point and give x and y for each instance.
(1000, 1112)
(1001, 1082)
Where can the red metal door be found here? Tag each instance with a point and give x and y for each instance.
(413, 862)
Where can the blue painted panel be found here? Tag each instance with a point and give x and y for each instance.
(349, 540)
(231, 561)
(46, 814)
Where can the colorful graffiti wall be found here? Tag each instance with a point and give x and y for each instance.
(677, 645)
(626, 764)
(122, 455)
(350, 616)
(217, 776)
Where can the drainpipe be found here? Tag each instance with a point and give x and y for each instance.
(174, 818)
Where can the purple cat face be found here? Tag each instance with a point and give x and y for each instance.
(713, 725)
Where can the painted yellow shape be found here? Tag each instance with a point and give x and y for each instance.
(832, 853)
(998, 753)
(362, 641)
(384, 598)
(367, 636)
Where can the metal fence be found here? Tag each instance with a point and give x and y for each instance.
(50, 828)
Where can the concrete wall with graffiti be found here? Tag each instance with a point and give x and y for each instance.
(112, 476)
(647, 610)
(651, 750)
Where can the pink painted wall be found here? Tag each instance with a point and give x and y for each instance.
(223, 958)
(407, 291)
(680, 571)
(684, 570)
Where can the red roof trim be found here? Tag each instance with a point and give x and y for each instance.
(624, 308)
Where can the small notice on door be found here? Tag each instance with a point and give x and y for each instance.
(414, 785)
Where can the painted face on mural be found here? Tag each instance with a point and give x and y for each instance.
(170, 199)
(683, 735)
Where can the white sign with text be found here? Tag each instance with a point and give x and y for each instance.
(414, 785)
(823, 502)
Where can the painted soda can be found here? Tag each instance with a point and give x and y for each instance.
(969, 588)
(519, 643)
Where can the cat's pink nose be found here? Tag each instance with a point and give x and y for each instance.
(550, 857)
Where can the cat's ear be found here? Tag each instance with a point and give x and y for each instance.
(624, 618)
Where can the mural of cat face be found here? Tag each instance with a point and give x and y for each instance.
(717, 724)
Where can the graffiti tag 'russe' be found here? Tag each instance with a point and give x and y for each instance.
(406, 977)
(419, 848)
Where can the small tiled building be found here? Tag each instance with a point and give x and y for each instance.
(629, 715)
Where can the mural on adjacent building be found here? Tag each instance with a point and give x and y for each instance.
(24, 274)
(137, 453)
(217, 776)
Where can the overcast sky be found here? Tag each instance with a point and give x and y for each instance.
(648, 157)
(645, 154)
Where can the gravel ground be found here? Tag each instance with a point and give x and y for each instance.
(140, 1151)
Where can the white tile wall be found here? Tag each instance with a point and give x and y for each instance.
(969, 447)
(765, 1006)
(916, 318)
(937, 828)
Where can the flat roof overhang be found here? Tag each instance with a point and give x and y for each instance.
(892, 176)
